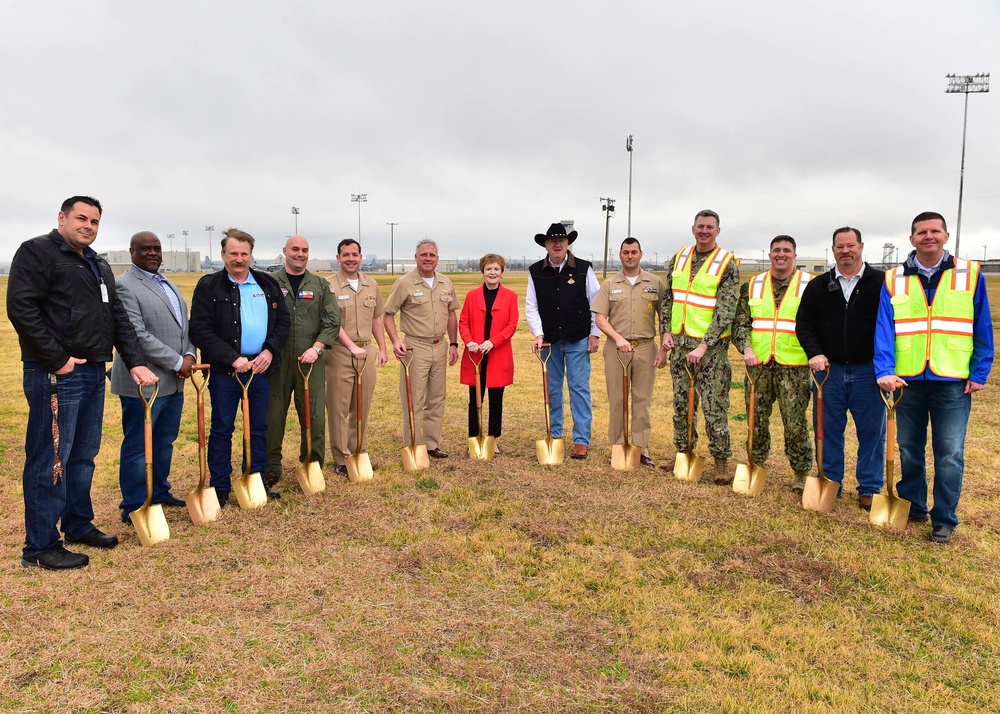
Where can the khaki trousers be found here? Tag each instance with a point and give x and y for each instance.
(429, 376)
(643, 376)
(342, 399)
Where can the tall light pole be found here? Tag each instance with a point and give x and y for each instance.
(295, 212)
(628, 148)
(392, 247)
(359, 198)
(209, 254)
(984, 253)
(965, 84)
(170, 237)
(187, 257)
(608, 206)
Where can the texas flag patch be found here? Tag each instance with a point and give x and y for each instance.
(305, 294)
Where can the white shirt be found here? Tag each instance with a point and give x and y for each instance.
(847, 285)
(534, 319)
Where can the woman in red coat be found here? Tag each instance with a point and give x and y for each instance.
(489, 319)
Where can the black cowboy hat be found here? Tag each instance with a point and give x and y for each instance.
(556, 230)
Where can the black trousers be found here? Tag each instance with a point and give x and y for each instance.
(495, 410)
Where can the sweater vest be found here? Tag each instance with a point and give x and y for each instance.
(562, 300)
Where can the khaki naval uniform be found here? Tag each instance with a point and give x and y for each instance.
(423, 319)
(632, 311)
(358, 308)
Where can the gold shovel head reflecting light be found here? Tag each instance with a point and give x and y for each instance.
(149, 521)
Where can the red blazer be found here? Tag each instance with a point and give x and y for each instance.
(500, 366)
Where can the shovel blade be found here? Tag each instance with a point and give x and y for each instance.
(203, 505)
(150, 524)
(482, 447)
(625, 457)
(749, 480)
(550, 452)
(250, 491)
(688, 467)
(415, 458)
(359, 467)
(819, 494)
(310, 478)
(889, 512)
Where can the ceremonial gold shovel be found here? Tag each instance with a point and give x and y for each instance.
(819, 493)
(249, 487)
(309, 473)
(149, 521)
(889, 510)
(359, 464)
(415, 455)
(548, 450)
(625, 457)
(202, 503)
(481, 446)
(687, 466)
(750, 479)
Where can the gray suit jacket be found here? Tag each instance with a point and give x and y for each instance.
(162, 339)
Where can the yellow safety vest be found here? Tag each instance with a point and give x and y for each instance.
(694, 299)
(940, 334)
(774, 330)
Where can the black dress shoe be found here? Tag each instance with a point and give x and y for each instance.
(223, 497)
(56, 558)
(272, 495)
(646, 461)
(95, 539)
(171, 501)
(340, 470)
(437, 454)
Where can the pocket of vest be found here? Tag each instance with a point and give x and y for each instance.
(957, 343)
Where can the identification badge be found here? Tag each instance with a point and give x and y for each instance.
(343, 297)
(570, 281)
(419, 293)
(617, 292)
(104, 292)
(305, 294)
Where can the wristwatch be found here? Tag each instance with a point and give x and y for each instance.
(453, 344)
(319, 351)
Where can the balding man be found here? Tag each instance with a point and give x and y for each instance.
(159, 315)
(315, 318)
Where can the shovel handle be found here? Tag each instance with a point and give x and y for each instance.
(409, 395)
(307, 405)
(359, 389)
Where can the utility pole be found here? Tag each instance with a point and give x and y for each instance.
(295, 212)
(170, 237)
(608, 206)
(359, 198)
(392, 247)
(964, 84)
(209, 254)
(187, 257)
(628, 148)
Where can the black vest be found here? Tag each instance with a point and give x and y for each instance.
(562, 299)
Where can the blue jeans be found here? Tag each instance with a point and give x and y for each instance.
(948, 409)
(853, 388)
(81, 413)
(226, 395)
(132, 463)
(572, 360)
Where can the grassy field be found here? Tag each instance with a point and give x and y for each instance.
(506, 586)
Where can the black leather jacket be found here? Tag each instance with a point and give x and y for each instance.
(56, 306)
(215, 326)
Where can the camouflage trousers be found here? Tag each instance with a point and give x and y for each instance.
(790, 387)
(712, 385)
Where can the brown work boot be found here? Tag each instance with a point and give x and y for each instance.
(865, 502)
(722, 475)
(668, 466)
(800, 481)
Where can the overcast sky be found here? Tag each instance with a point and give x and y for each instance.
(479, 124)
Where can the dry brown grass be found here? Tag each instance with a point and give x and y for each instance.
(506, 586)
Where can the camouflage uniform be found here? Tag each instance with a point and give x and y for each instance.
(790, 386)
(715, 376)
